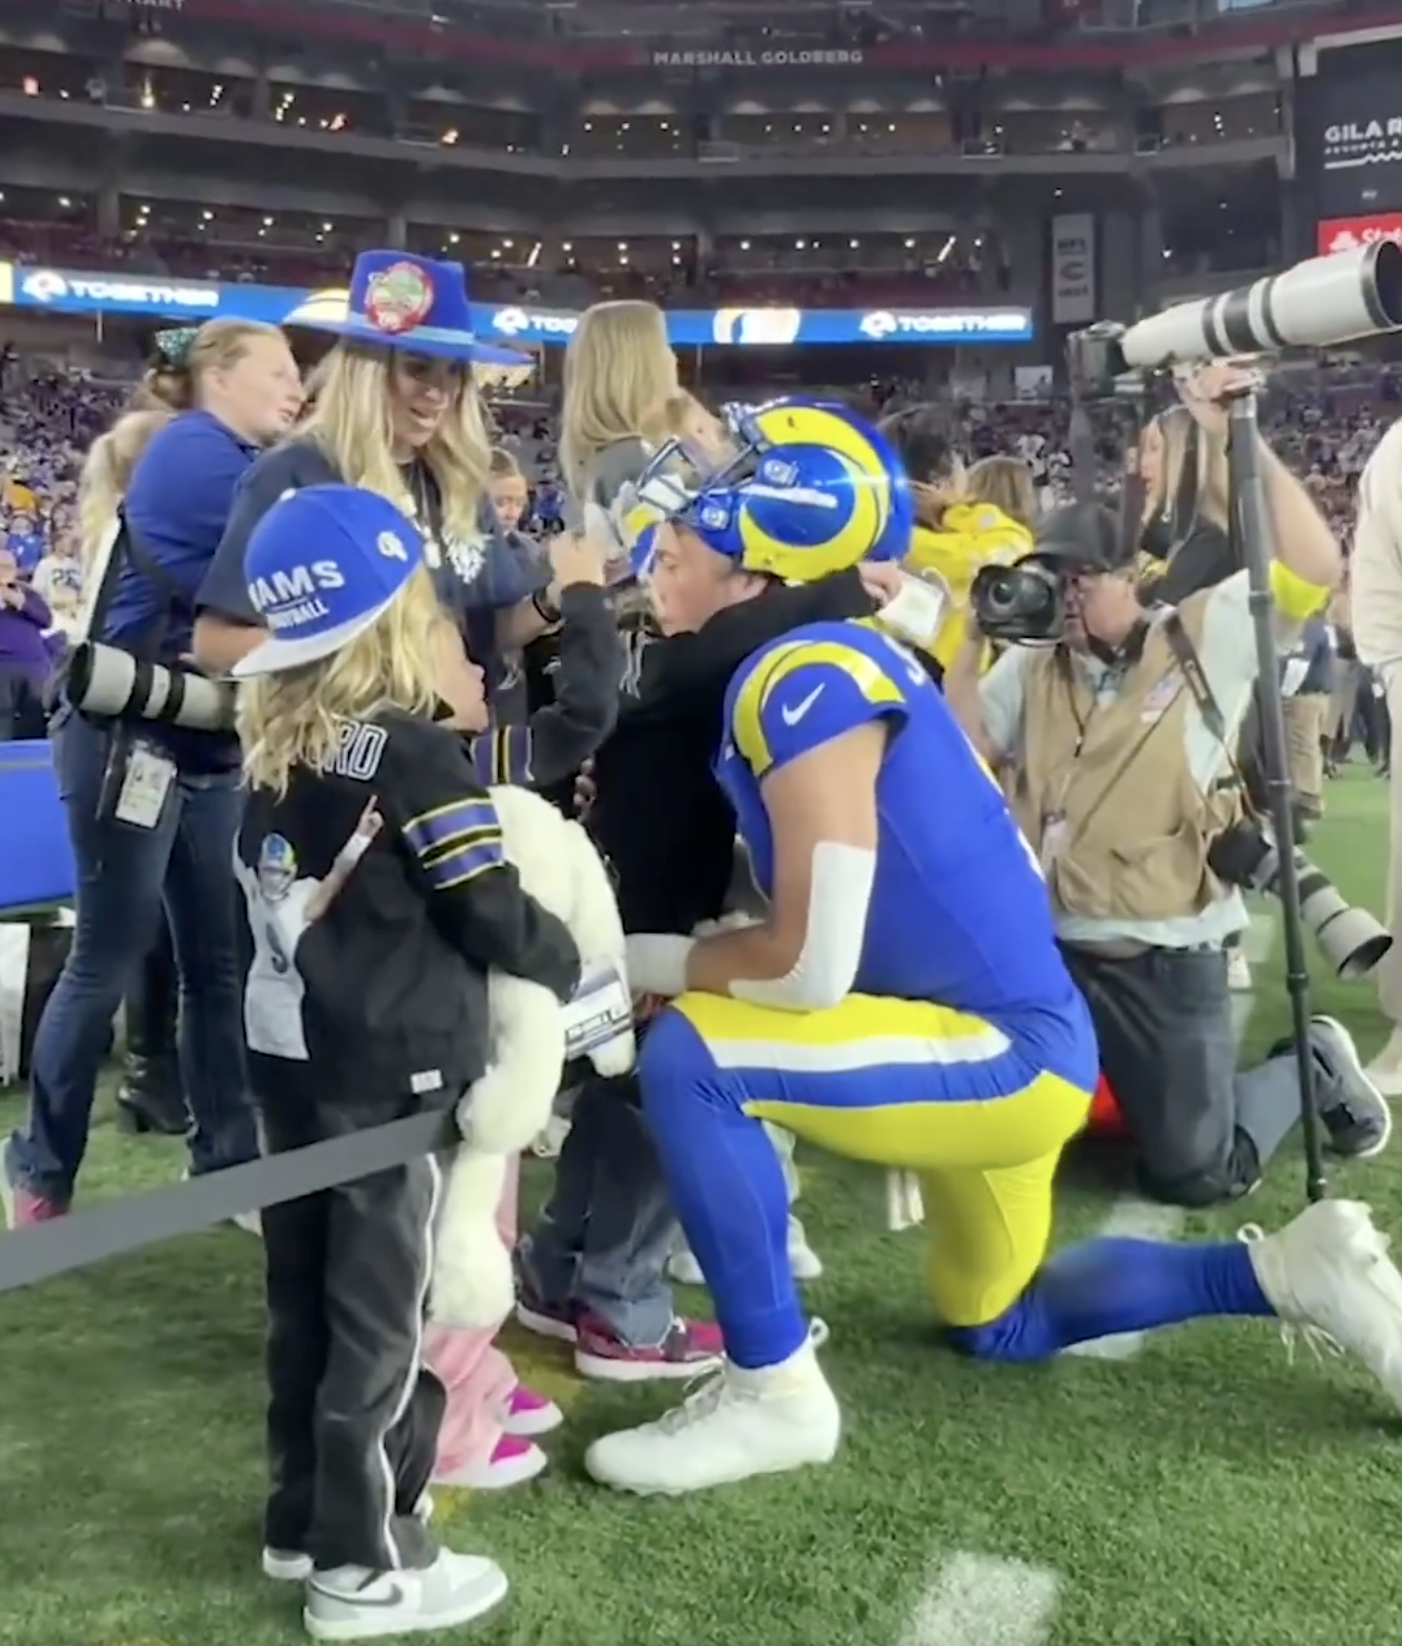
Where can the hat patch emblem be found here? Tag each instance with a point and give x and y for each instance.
(398, 298)
(391, 546)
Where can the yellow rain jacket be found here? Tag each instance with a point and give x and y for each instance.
(970, 537)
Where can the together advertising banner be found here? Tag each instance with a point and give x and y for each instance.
(1073, 300)
(1352, 142)
(162, 297)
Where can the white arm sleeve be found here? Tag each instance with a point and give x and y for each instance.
(826, 968)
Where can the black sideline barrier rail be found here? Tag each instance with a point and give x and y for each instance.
(83, 1238)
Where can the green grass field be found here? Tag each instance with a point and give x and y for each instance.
(1207, 1492)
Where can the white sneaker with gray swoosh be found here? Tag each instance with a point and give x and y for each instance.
(793, 715)
(354, 1604)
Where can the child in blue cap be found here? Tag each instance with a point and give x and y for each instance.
(378, 896)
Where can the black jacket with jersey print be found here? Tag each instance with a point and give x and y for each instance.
(371, 945)
(660, 815)
(578, 713)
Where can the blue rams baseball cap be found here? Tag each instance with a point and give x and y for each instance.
(321, 566)
(418, 304)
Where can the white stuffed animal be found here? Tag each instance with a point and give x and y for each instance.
(501, 1114)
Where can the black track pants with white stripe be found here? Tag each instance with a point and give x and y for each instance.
(353, 1413)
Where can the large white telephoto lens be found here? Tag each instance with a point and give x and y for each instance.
(1315, 305)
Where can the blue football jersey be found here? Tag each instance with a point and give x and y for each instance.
(959, 912)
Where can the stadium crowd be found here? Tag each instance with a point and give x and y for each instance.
(1325, 422)
(425, 607)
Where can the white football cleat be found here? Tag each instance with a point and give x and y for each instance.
(1329, 1274)
(738, 1423)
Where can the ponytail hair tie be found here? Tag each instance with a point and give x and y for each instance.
(173, 346)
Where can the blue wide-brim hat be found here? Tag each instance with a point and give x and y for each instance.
(417, 304)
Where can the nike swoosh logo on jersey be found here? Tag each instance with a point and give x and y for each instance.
(794, 715)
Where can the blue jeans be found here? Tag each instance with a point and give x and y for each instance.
(603, 1238)
(123, 873)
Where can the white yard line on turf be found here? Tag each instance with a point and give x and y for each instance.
(973, 1600)
(1134, 1219)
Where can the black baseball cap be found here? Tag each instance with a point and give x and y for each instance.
(1086, 536)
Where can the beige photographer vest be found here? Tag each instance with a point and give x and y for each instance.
(1105, 793)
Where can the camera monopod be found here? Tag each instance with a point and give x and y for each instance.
(1249, 525)
(1319, 304)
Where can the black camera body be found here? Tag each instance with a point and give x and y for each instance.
(1019, 605)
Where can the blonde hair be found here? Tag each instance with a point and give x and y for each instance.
(1006, 483)
(107, 471)
(312, 384)
(296, 718)
(619, 372)
(1210, 500)
(166, 389)
(681, 414)
(352, 424)
(504, 466)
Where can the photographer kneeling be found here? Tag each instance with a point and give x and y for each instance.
(1118, 784)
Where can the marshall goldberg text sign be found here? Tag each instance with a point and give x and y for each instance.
(768, 58)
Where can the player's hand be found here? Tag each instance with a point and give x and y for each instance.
(883, 580)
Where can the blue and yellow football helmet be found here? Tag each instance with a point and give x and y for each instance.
(808, 489)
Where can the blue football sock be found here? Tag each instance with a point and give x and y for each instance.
(728, 1190)
(1108, 1286)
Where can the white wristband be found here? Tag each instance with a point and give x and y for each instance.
(657, 963)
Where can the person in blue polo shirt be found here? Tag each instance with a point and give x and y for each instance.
(397, 412)
(152, 810)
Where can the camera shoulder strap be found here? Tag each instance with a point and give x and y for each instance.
(1185, 654)
(126, 547)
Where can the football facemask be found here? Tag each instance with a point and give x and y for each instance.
(809, 489)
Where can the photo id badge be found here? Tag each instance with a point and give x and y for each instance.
(145, 786)
(1054, 834)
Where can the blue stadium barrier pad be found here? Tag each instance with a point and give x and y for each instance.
(36, 860)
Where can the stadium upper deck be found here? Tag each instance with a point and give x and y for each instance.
(719, 147)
